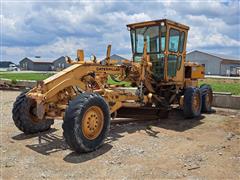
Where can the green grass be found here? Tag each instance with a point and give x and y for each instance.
(24, 76)
(218, 85)
(122, 83)
(223, 85)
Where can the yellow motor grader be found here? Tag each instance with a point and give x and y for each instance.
(84, 98)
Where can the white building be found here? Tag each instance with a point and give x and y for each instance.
(216, 64)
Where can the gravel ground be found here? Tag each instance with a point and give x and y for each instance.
(203, 148)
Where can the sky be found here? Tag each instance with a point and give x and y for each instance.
(51, 29)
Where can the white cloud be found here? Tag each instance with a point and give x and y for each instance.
(208, 32)
(55, 29)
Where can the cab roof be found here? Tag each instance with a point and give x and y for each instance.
(156, 22)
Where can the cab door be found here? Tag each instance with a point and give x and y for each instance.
(176, 54)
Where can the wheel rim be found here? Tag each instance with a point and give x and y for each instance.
(196, 102)
(92, 123)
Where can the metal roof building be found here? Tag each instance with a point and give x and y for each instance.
(216, 64)
(43, 64)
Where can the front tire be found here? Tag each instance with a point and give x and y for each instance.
(86, 122)
(23, 116)
(192, 102)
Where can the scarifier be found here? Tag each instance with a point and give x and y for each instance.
(81, 95)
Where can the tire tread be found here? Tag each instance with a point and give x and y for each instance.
(73, 115)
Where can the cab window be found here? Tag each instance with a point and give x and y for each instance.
(163, 37)
(133, 40)
(172, 65)
(149, 34)
(181, 42)
(173, 40)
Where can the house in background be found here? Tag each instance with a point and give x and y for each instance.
(216, 64)
(117, 59)
(8, 66)
(39, 64)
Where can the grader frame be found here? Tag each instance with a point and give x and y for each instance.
(158, 47)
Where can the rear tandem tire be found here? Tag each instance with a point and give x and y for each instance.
(192, 102)
(86, 122)
(23, 119)
(207, 98)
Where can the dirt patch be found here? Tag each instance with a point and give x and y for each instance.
(207, 147)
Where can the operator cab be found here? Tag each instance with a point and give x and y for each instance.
(166, 46)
